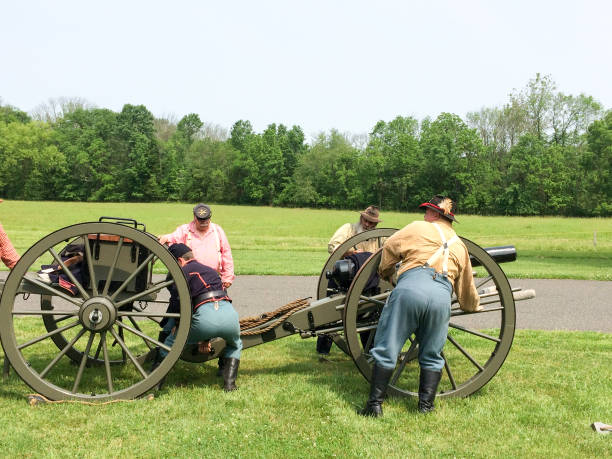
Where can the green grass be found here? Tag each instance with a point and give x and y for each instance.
(550, 389)
(541, 404)
(267, 240)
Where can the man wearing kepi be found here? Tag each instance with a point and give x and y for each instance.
(208, 242)
(434, 261)
(213, 313)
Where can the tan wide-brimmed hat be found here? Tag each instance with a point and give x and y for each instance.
(371, 214)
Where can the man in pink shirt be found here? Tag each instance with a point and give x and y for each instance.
(8, 254)
(207, 241)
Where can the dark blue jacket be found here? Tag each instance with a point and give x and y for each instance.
(200, 279)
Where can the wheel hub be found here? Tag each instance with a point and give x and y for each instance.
(98, 314)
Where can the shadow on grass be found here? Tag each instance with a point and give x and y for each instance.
(7, 394)
(291, 365)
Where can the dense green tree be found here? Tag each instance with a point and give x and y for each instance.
(209, 175)
(291, 143)
(452, 154)
(10, 114)
(537, 180)
(392, 163)
(30, 161)
(262, 159)
(85, 137)
(170, 168)
(597, 167)
(543, 152)
(188, 128)
(326, 175)
(136, 149)
(240, 134)
(263, 163)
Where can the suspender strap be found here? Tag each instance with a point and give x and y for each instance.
(443, 249)
(218, 243)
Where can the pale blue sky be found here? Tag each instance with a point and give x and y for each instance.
(318, 64)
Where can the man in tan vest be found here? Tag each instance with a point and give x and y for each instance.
(433, 262)
(368, 220)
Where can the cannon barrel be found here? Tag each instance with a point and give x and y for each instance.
(344, 270)
(501, 254)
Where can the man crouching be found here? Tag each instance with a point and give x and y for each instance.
(213, 314)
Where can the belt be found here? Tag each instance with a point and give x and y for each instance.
(212, 295)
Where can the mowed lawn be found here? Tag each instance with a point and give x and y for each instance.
(281, 241)
(541, 404)
(552, 386)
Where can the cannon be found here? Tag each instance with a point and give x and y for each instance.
(88, 337)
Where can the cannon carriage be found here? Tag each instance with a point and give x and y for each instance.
(89, 337)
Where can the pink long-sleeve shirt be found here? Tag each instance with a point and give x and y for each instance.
(8, 254)
(211, 248)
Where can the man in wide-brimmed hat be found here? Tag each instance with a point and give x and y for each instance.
(8, 254)
(433, 262)
(368, 220)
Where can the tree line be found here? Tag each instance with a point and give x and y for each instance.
(541, 153)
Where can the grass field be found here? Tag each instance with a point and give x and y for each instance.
(541, 404)
(267, 240)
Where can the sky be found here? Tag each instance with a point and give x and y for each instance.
(318, 64)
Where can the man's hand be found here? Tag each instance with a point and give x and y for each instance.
(226, 284)
(204, 347)
(163, 239)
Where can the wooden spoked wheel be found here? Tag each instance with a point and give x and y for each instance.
(52, 323)
(477, 344)
(379, 236)
(52, 344)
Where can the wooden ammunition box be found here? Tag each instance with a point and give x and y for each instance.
(103, 250)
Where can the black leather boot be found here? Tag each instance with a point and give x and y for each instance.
(428, 386)
(378, 388)
(324, 344)
(162, 336)
(157, 358)
(230, 371)
(221, 364)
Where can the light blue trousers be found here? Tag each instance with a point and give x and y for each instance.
(419, 304)
(208, 323)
